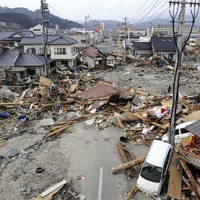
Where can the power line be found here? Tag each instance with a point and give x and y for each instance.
(145, 22)
(152, 8)
(58, 14)
(153, 18)
(135, 16)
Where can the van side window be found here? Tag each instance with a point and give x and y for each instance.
(177, 132)
(183, 130)
(167, 162)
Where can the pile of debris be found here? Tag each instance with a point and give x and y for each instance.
(88, 98)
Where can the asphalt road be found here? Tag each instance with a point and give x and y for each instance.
(92, 155)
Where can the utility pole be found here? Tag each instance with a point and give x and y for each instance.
(125, 22)
(86, 38)
(45, 24)
(179, 49)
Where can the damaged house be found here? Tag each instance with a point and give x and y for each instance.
(20, 65)
(165, 46)
(142, 48)
(92, 58)
(59, 48)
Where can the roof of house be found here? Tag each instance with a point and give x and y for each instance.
(13, 57)
(26, 33)
(7, 35)
(194, 128)
(142, 46)
(163, 44)
(28, 59)
(99, 91)
(8, 57)
(52, 39)
(92, 52)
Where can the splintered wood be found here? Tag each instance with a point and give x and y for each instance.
(174, 186)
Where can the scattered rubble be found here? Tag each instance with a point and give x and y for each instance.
(136, 98)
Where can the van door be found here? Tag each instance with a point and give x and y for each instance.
(166, 164)
(180, 134)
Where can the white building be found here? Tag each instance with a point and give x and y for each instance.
(168, 31)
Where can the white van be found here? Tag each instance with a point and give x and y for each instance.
(155, 168)
(180, 133)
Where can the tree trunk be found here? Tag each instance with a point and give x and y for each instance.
(128, 165)
(124, 158)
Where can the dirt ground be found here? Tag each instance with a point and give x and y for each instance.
(64, 158)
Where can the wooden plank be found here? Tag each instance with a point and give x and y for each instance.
(124, 158)
(119, 122)
(56, 131)
(131, 193)
(49, 196)
(53, 104)
(46, 192)
(175, 180)
(195, 115)
(142, 92)
(44, 81)
(192, 180)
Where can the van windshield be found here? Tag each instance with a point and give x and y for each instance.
(151, 172)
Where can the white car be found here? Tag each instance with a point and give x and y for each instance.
(155, 168)
(180, 133)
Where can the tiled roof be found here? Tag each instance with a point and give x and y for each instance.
(142, 46)
(91, 52)
(8, 57)
(52, 39)
(194, 128)
(163, 44)
(28, 59)
(6, 34)
(12, 57)
(25, 33)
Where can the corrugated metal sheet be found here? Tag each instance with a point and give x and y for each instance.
(194, 128)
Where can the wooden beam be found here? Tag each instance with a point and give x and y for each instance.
(131, 193)
(175, 179)
(56, 131)
(190, 176)
(128, 165)
(124, 158)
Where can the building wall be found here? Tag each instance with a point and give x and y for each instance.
(90, 61)
(168, 30)
(38, 49)
(39, 71)
(143, 52)
(81, 38)
(68, 50)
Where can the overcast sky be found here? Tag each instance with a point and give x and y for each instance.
(97, 9)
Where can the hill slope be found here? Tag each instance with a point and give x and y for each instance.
(25, 18)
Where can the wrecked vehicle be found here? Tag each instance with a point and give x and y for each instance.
(180, 133)
(62, 69)
(155, 168)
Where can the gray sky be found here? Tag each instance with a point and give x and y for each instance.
(97, 9)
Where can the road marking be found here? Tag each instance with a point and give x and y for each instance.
(100, 183)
